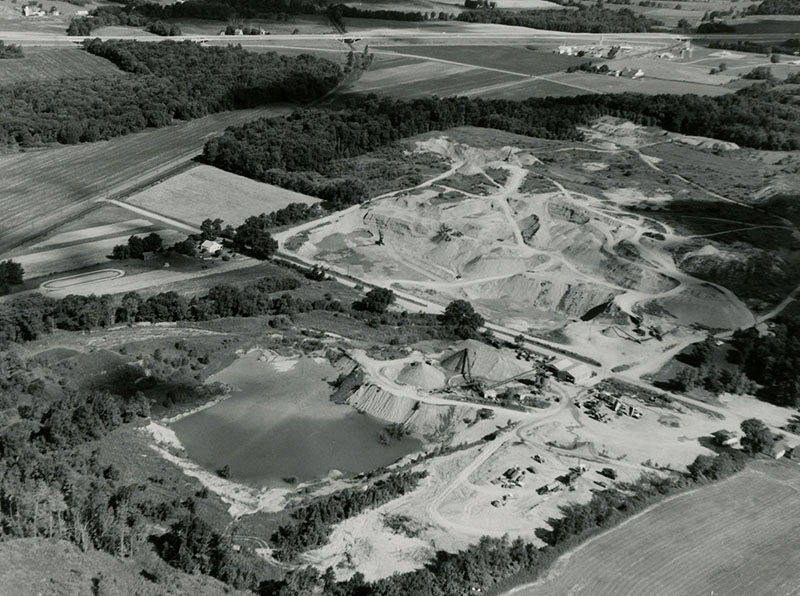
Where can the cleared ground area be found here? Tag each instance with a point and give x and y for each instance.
(45, 188)
(738, 538)
(206, 192)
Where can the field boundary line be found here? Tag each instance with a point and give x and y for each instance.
(192, 229)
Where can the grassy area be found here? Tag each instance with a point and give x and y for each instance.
(518, 59)
(40, 189)
(207, 192)
(55, 63)
(755, 513)
(35, 566)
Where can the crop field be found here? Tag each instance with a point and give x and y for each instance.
(47, 187)
(525, 88)
(55, 63)
(739, 537)
(606, 84)
(515, 59)
(423, 79)
(206, 192)
(672, 70)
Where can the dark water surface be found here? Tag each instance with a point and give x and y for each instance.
(282, 424)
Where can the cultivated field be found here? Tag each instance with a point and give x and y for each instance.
(206, 192)
(515, 59)
(55, 63)
(44, 188)
(425, 79)
(597, 83)
(739, 537)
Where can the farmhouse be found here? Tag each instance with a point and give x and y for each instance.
(778, 450)
(210, 246)
(726, 438)
(33, 11)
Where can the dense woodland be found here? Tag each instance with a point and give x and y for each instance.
(772, 360)
(789, 7)
(167, 81)
(312, 524)
(589, 19)
(297, 151)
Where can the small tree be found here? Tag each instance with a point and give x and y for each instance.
(461, 320)
(11, 273)
(211, 229)
(757, 438)
(377, 300)
(775, 58)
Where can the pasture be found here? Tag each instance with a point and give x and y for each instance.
(206, 192)
(515, 59)
(739, 537)
(598, 83)
(45, 188)
(410, 78)
(55, 63)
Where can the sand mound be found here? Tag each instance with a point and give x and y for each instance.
(421, 375)
(482, 361)
(373, 400)
(423, 419)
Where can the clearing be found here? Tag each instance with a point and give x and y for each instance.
(207, 192)
(738, 537)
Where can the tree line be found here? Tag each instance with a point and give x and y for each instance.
(313, 523)
(786, 7)
(495, 564)
(298, 151)
(772, 360)
(168, 81)
(584, 19)
(789, 46)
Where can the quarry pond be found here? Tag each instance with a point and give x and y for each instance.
(279, 423)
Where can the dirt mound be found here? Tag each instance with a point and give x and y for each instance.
(482, 361)
(375, 401)
(421, 375)
(423, 419)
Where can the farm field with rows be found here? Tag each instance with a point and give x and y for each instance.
(44, 188)
(518, 59)
(739, 537)
(53, 64)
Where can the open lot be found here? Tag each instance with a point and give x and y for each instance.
(53, 64)
(44, 188)
(739, 537)
(207, 192)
